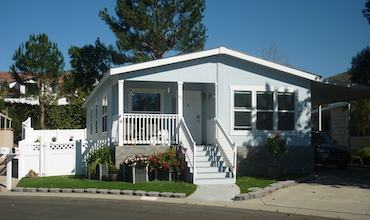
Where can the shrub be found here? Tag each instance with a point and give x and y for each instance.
(138, 161)
(167, 160)
(364, 153)
(101, 155)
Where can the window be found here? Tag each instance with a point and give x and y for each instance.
(146, 100)
(91, 121)
(286, 111)
(96, 119)
(104, 114)
(242, 110)
(263, 110)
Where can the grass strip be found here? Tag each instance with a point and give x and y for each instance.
(82, 182)
(246, 182)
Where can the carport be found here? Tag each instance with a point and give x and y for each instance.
(325, 91)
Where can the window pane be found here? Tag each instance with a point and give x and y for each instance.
(286, 101)
(264, 100)
(242, 99)
(286, 121)
(242, 120)
(146, 102)
(265, 121)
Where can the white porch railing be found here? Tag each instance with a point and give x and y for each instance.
(227, 147)
(187, 142)
(146, 128)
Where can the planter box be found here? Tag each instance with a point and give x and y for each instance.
(135, 175)
(165, 175)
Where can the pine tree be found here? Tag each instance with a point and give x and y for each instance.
(149, 29)
(41, 59)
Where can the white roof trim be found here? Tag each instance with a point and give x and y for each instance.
(203, 54)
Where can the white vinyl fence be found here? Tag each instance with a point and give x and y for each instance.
(52, 159)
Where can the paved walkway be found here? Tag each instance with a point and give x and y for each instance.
(3, 183)
(219, 192)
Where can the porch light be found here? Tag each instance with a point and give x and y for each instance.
(132, 93)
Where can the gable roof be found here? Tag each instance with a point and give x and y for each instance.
(212, 52)
(323, 91)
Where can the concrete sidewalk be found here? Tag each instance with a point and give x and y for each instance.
(335, 194)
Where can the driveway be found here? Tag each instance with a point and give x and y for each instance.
(335, 193)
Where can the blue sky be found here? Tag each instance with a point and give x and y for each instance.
(317, 36)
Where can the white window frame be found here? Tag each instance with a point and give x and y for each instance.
(141, 90)
(254, 90)
(104, 110)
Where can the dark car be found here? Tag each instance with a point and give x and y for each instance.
(328, 151)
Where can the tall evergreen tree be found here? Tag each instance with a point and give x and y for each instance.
(149, 29)
(88, 63)
(41, 59)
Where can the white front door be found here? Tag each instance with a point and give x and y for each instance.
(193, 113)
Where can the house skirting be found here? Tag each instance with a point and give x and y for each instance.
(256, 160)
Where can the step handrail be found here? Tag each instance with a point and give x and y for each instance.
(227, 146)
(187, 142)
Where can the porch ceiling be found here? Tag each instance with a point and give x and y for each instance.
(327, 92)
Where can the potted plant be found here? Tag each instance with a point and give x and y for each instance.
(70, 138)
(166, 166)
(112, 176)
(276, 146)
(136, 168)
(99, 158)
(54, 139)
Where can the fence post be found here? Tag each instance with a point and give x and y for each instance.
(43, 147)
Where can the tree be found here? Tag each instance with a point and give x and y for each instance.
(149, 29)
(360, 73)
(360, 70)
(273, 53)
(88, 63)
(41, 59)
(366, 11)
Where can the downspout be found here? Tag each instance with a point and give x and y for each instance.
(349, 126)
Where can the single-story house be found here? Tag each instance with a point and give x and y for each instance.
(218, 97)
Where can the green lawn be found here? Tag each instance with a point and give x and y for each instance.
(246, 182)
(82, 182)
(161, 186)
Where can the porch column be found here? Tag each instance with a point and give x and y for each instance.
(121, 95)
(180, 100)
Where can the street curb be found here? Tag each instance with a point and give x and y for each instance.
(272, 188)
(100, 191)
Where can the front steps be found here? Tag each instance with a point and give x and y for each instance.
(210, 167)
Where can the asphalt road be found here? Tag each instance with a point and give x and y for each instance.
(20, 207)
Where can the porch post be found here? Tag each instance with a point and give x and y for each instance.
(121, 95)
(180, 100)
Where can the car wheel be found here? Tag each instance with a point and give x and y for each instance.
(342, 165)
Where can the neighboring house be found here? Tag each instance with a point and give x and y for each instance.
(218, 97)
(18, 92)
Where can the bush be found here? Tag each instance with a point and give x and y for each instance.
(364, 153)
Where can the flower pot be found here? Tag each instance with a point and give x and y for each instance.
(165, 175)
(136, 175)
(112, 177)
(274, 171)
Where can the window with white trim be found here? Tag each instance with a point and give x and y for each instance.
(146, 100)
(242, 110)
(263, 110)
(96, 118)
(104, 113)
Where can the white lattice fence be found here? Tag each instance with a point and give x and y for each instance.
(52, 159)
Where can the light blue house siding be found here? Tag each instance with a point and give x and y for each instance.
(216, 78)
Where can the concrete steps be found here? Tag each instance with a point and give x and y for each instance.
(209, 166)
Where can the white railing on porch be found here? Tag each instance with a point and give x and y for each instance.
(227, 147)
(146, 128)
(187, 142)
